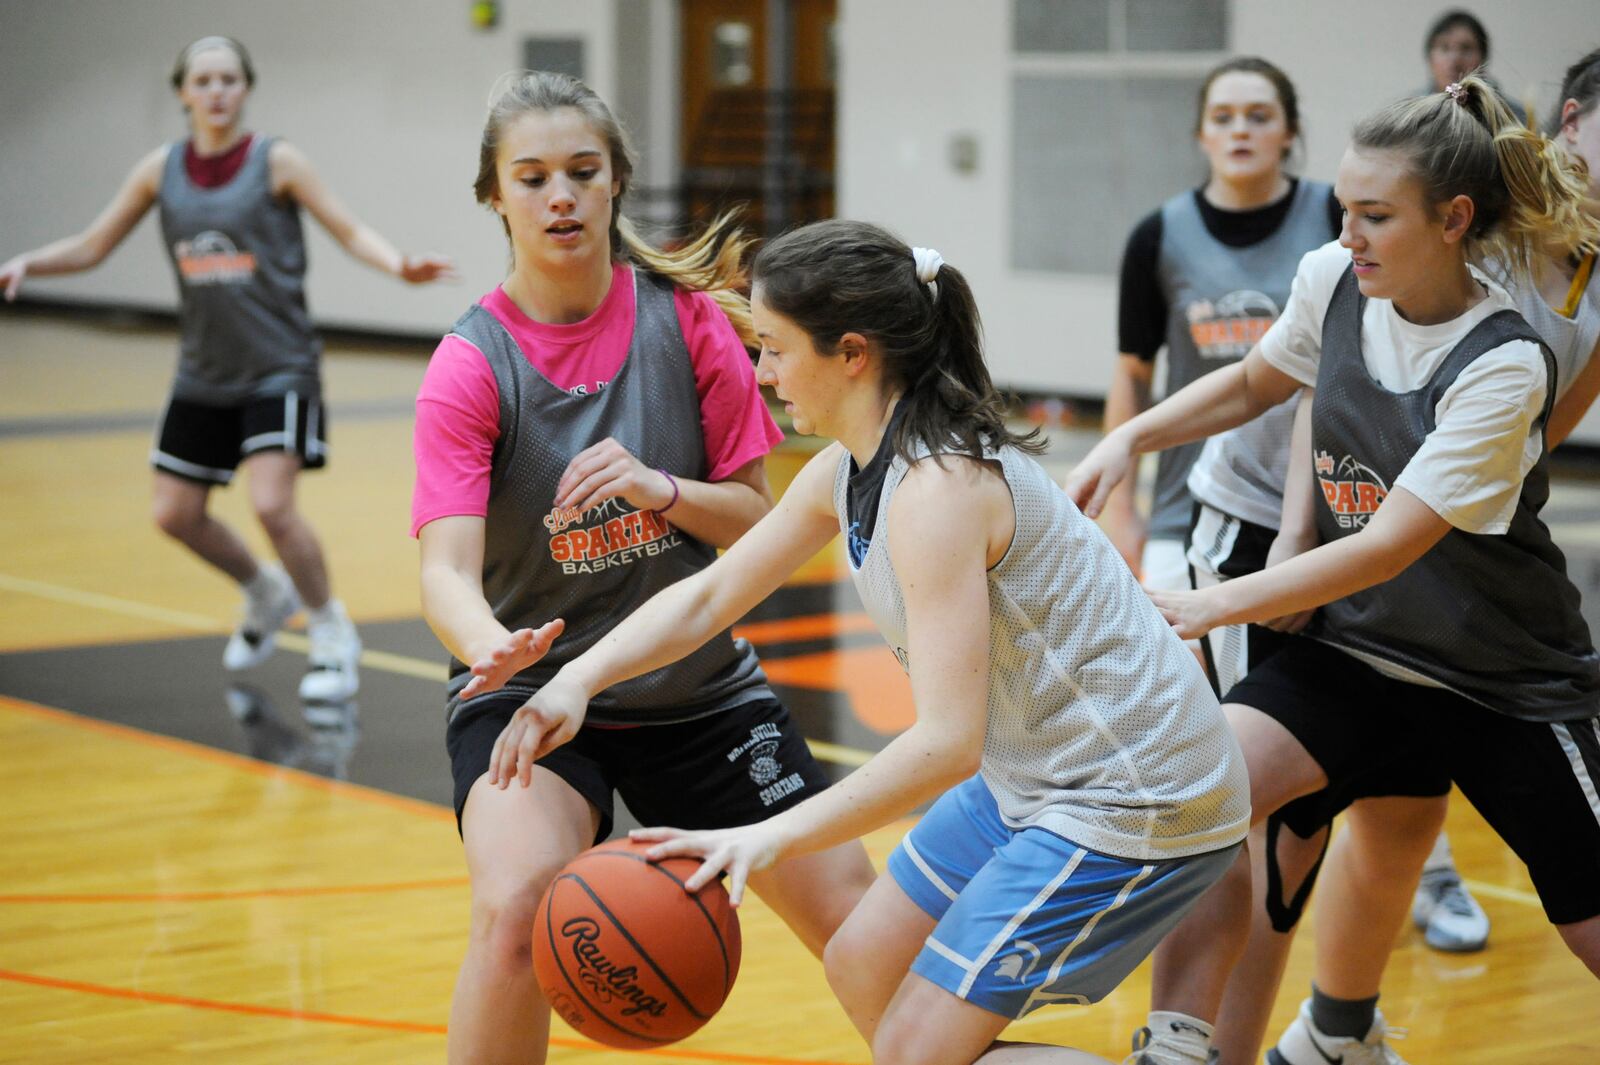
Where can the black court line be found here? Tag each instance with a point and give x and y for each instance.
(131, 421)
(390, 736)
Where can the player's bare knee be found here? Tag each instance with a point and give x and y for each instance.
(276, 514)
(502, 916)
(178, 518)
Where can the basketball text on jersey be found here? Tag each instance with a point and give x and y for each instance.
(1352, 491)
(611, 534)
(211, 258)
(1226, 330)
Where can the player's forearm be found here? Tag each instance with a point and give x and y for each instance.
(915, 767)
(458, 614)
(717, 512)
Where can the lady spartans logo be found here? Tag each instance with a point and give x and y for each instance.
(1226, 330)
(212, 258)
(1352, 491)
(606, 536)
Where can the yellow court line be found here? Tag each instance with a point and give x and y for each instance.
(1505, 894)
(381, 661)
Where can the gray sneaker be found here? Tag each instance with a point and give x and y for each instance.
(1449, 917)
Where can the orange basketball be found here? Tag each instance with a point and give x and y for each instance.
(625, 955)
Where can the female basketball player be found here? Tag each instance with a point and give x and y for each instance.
(1561, 300)
(1108, 793)
(248, 390)
(1203, 276)
(588, 434)
(1427, 445)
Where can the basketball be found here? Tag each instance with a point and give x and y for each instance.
(625, 955)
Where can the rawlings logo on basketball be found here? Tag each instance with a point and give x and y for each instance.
(1352, 491)
(602, 975)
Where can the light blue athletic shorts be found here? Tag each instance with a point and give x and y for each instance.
(1027, 918)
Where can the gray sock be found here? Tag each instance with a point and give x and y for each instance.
(1349, 1018)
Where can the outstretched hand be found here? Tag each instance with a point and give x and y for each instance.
(539, 726)
(12, 271)
(520, 650)
(735, 851)
(608, 470)
(420, 269)
(1091, 481)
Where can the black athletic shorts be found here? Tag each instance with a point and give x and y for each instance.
(1222, 547)
(206, 444)
(1534, 782)
(733, 767)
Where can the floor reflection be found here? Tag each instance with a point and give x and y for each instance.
(322, 742)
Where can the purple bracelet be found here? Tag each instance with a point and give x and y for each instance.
(673, 481)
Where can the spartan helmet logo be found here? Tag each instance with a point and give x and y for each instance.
(764, 767)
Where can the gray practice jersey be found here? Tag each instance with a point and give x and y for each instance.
(240, 260)
(1223, 300)
(1492, 617)
(1100, 726)
(593, 569)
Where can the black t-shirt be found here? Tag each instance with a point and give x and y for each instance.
(1142, 306)
(865, 488)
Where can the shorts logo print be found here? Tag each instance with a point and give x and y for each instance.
(764, 768)
(1019, 964)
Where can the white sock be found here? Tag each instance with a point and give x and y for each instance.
(1440, 857)
(329, 613)
(1177, 1033)
(261, 585)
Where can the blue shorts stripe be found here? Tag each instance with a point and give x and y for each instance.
(1025, 917)
(1002, 937)
(933, 878)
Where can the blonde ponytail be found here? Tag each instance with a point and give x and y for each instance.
(1527, 194)
(712, 263)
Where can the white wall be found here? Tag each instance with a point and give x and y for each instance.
(903, 98)
(385, 96)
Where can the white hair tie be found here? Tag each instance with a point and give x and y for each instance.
(928, 262)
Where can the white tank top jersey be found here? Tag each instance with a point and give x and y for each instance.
(1101, 728)
(1572, 335)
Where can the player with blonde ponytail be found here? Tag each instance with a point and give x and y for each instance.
(1414, 492)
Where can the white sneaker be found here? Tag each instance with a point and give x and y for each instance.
(1302, 1044)
(1449, 917)
(253, 642)
(333, 661)
(1150, 1048)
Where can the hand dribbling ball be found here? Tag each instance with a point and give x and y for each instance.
(625, 955)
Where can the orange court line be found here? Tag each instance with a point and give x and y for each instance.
(228, 758)
(806, 627)
(369, 1022)
(247, 893)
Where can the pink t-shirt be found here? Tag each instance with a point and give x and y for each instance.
(458, 406)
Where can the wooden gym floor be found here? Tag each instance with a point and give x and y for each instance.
(196, 870)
